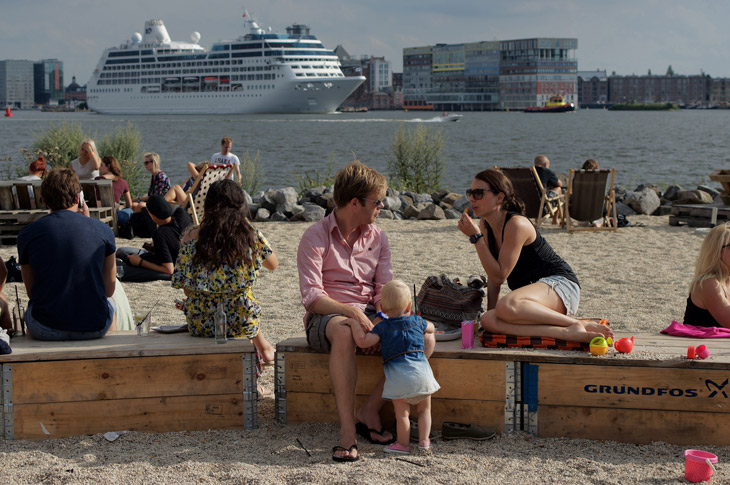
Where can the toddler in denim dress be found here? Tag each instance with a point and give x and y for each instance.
(408, 376)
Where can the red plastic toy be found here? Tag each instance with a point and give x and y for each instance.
(624, 345)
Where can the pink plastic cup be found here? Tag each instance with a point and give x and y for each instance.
(467, 335)
(698, 465)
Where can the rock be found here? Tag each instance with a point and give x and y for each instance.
(391, 192)
(705, 188)
(620, 193)
(258, 195)
(420, 198)
(644, 202)
(297, 213)
(385, 214)
(452, 214)
(285, 200)
(393, 203)
(267, 200)
(624, 210)
(412, 211)
(431, 212)
(449, 199)
(262, 215)
(436, 197)
(461, 204)
(249, 200)
(672, 192)
(325, 200)
(312, 212)
(278, 217)
(406, 199)
(311, 194)
(653, 187)
(252, 209)
(693, 197)
(397, 216)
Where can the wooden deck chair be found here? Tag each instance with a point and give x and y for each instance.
(589, 198)
(529, 189)
(196, 194)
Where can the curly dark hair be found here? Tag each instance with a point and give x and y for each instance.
(500, 183)
(226, 235)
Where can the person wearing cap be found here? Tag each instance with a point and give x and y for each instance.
(158, 263)
(36, 170)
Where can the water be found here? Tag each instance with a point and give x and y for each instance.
(662, 147)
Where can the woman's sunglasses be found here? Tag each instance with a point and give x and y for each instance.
(477, 194)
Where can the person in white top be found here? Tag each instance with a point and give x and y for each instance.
(225, 157)
(36, 170)
(88, 163)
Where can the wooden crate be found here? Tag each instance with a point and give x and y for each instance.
(699, 215)
(157, 383)
(470, 389)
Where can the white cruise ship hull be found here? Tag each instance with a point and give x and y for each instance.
(286, 97)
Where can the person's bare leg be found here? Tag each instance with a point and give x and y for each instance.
(423, 409)
(343, 372)
(403, 424)
(578, 332)
(369, 413)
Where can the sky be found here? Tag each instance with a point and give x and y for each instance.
(621, 36)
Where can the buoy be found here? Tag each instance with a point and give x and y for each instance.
(8, 113)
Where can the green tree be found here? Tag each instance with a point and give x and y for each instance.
(252, 173)
(670, 71)
(415, 163)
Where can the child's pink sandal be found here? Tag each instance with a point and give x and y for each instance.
(397, 449)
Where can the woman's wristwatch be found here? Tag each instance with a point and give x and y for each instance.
(475, 237)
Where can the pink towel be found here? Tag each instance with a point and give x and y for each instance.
(681, 330)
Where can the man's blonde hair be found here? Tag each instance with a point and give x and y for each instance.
(357, 181)
(395, 298)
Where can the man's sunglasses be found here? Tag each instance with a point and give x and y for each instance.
(477, 194)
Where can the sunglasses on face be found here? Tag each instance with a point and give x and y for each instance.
(477, 194)
(377, 202)
(147, 162)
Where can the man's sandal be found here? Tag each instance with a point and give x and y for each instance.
(347, 458)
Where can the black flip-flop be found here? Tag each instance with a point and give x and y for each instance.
(345, 458)
(366, 433)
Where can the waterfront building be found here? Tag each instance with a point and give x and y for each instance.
(720, 93)
(416, 77)
(592, 88)
(686, 91)
(16, 84)
(48, 81)
(75, 93)
(533, 70)
(377, 92)
(380, 78)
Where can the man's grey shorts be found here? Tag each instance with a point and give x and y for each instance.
(568, 291)
(317, 324)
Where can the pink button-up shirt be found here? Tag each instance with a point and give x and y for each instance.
(329, 267)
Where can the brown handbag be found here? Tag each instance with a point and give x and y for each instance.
(444, 301)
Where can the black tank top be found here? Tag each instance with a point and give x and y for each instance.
(699, 317)
(537, 260)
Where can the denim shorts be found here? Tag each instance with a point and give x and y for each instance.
(44, 332)
(316, 326)
(568, 291)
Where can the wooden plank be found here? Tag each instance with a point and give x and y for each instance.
(634, 425)
(121, 344)
(157, 415)
(634, 388)
(316, 407)
(108, 379)
(459, 378)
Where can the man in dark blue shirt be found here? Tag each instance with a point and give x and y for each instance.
(68, 265)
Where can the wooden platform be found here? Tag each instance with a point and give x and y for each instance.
(699, 215)
(549, 393)
(158, 383)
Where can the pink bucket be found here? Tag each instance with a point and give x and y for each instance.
(698, 465)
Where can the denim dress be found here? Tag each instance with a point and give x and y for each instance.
(407, 371)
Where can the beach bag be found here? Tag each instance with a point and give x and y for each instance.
(449, 302)
(14, 274)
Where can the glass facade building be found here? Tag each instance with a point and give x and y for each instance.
(48, 81)
(16, 84)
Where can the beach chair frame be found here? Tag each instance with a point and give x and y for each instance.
(209, 174)
(529, 189)
(590, 196)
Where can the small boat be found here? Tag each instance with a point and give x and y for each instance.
(450, 117)
(555, 104)
(8, 113)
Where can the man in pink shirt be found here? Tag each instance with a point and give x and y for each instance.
(344, 262)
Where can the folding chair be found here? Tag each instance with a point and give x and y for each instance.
(196, 194)
(590, 199)
(528, 188)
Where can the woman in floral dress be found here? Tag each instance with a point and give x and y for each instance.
(218, 263)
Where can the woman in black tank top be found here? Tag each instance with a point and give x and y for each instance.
(707, 303)
(510, 249)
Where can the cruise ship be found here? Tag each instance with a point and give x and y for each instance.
(259, 72)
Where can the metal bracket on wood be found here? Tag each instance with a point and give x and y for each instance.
(250, 394)
(713, 216)
(7, 402)
(280, 387)
(512, 389)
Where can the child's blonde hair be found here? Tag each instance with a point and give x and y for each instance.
(395, 298)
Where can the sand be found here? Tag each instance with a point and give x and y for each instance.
(637, 278)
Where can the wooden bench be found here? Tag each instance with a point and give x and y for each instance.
(699, 215)
(158, 383)
(21, 203)
(544, 392)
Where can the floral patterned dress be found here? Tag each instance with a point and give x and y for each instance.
(159, 184)
(230, 285)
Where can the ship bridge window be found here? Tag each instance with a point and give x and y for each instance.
(221, 47)
(123, 53)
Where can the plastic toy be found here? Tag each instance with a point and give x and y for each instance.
(700, 352)
(624, 345)
(690, 352)
(598, 346)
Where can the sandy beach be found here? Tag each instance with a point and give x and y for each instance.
(637, 278)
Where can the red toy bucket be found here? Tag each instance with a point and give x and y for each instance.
(698, 465)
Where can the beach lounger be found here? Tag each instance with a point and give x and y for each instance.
(590, 197)
(529, 189)
(196, 194)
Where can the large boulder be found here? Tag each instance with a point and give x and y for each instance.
(412, 211)
(710, 190)
(438, 196)
(312, 212)
(262, 215)
(392, 203)
(693, 197)
(624, 210)
(431, 212)
(452, 214)
(267, 200)
(385, 214)
(461, 203)
(278, 217)
(285, 200)
(644, 202)
(326, 200)
(672, 192)
(620, 193)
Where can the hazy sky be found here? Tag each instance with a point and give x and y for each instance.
(625, 36)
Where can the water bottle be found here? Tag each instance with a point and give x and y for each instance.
(220, 324)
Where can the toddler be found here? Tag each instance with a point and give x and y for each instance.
(408, 376)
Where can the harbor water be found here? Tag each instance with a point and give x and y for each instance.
(680, 147)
